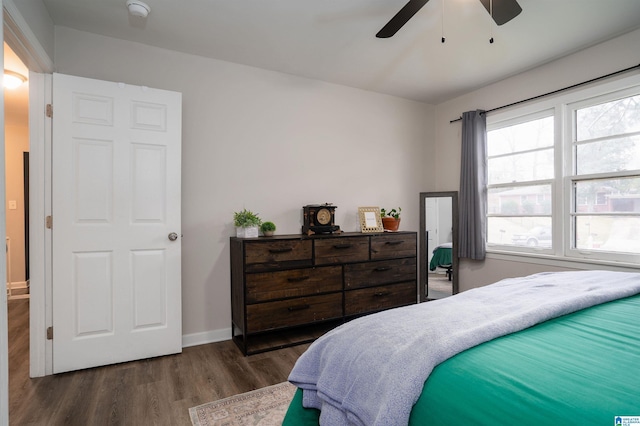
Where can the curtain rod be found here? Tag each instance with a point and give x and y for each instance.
(556, 91)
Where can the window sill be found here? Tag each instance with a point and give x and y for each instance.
(562, 262)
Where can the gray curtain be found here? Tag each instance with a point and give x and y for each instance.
(473, 186)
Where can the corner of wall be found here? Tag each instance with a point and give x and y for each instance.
(29, 31)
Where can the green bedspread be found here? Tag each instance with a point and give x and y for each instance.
(441, 257)
(582, 368)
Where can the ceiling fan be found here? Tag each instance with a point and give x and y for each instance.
(502, 11)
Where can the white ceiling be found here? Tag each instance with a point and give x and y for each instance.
(334, 40)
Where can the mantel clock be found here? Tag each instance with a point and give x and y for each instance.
(319, 219)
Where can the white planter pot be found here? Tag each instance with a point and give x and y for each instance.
(250, 232)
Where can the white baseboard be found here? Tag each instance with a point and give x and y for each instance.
(205, 337)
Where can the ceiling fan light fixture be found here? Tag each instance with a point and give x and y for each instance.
(138, 8)
(12, 79)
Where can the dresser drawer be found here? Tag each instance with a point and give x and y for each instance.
(393, 245)
(293, 283)
(286, 313)
(267, 255)
(374, 299)
(359, 275)
(341, 250)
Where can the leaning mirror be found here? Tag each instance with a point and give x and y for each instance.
(438, 245)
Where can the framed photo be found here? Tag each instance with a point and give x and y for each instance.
(370, 220)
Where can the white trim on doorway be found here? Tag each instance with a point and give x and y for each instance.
(40, 313)
(25, 44)
(4, 336)
(23, 41)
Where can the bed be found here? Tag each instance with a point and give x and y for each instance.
(554, 348)
(442, 258)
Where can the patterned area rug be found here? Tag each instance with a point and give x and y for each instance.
(261, 407)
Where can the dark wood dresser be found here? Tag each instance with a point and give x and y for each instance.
(291, 289)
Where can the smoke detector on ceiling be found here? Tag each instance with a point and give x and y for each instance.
(138, 8)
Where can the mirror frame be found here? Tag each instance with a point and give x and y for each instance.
(424, 272)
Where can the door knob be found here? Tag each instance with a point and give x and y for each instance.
(173, 236)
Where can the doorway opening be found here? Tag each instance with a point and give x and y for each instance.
(16, 131)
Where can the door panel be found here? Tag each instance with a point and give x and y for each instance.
(115, 198)
(92, 291)
(93, 167)
(149, 284)
(148, 183)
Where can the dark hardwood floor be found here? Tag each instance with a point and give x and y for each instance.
(157, 391)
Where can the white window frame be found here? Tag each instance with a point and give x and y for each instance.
(527, 114)
(562, 107)
(571, 176)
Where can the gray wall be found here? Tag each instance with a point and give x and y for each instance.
(269, 142)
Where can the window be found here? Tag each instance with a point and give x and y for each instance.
(606, 164)
(521, 171)
(564, 176)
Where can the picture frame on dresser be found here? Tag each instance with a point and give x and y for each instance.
(370, 219)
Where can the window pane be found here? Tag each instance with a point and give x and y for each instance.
(521, 137)
(608, 196)
(608, 233)
(520, 231)
(612, 155)
(521, 200)
(611, 118)
(521, 167)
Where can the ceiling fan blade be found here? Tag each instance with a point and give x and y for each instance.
(503, 10)
(401, 18)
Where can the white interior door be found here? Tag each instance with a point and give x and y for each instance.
(115, 201)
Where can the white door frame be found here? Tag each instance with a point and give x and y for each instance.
(4, 336)
(25, 44)
(40, 312)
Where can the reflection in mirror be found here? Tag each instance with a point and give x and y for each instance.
(438, 245)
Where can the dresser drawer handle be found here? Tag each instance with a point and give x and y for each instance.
(382, 268)
(297, 279)
(341, 246)
(298, 308)
(394, 243)
(380, 294)
(281, 250)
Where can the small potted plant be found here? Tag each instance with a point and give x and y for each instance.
(390, 219)
(268, 228)
(247, 223)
